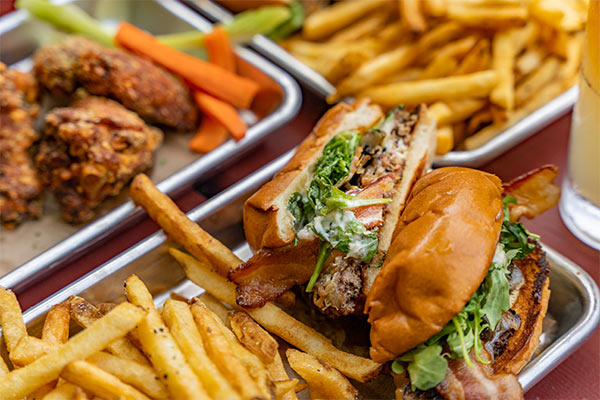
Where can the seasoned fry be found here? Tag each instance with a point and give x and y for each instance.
(56, 325)
(477, 84)
(326, 21)
(445, 140)
(180, 321)
(276, 321)
(158, 343)
(99, 382)
(140, 376)
(19, 382)
(84, 314)
(11, 320)
(219, 349)
(536, 80)
(324, 381)
(175, 224)
(412, 15)
(216, 307)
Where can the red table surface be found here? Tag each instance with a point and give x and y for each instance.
(576, 378)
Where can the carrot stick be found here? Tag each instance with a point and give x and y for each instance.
(211, 78)
(224, 113)
(269, 95)
(210, 135)
(219, 49)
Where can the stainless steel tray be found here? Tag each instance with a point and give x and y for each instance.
(20, 36)
(573, 313)
(512, 136)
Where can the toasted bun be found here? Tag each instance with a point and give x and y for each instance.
(441, 251)
(267, 221)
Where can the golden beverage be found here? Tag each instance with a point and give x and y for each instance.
(580, 201)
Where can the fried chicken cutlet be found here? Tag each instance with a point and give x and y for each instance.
(90, 150)
(137, 83)
(20, 188)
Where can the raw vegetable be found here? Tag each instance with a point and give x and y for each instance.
(290, 26)
(219, 49)
(223, 113)
(67, 17)
(214, 80)
(462, 333)
(210, 135)
(269, 95)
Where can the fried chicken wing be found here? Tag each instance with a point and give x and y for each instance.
(90, 150)
(135, 82)
(20, 188)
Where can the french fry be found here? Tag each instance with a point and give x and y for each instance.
(412, 15)
(219, 349)
(65, 391)
(3, 367)
(19, 382)
(216, 307)
(480, 119)
(445, 140)
(286, 388)
(477, 84)
(105, 307)
(278, 322)
(85, 313)
(529, 61)
(158, 343)
(439, 67)
(325, 381)
(361, 28)
(408, 74)
(435, 8)
(28, 350)
(326, 21)
(180, 321)
(487, 16)
(99, 382)
(175, 224)
(534, 82)
(56, 325)
(477, 59)
(81, 395)
(503, 55)
(140, 376)
(574, 53)
(11, 320)
(559, 14)
(454, 49)
(251, 335)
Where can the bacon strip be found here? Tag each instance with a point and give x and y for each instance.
(478, 383)
(372, 216)
(534, 191)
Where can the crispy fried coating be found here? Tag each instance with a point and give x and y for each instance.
(20, 188)
(90, 150)
(135, 82)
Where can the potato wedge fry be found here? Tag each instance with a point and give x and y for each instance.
(412, 15)
(253, 336)
(19, 382)
(179, 319)
(159, 344)
(361, 28)
(85, 313)
(536, 80)
(328, 20)
(278, 322)
(11, 319)
(65, 391)
(445, 140)
(140, 376)
(326, 381)
(219, 349)
(99, 382)
(175, 224)
(216, 307)
(477, 84)
(56, 325)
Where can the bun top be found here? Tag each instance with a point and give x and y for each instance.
(442, 249)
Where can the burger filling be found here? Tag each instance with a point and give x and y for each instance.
(487, 316)
(344, 206)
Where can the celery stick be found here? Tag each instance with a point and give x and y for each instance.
(183, 40)
(67, 17)
(290, 26)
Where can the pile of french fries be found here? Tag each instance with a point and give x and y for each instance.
(481, 65)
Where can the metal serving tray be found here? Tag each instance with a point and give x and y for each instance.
(21, 35)
(512, 136)
(573, 312)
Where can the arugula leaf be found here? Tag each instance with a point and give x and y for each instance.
(426, 366)
(301, 210)
(344, 232)
(324, 251)
(513, 235)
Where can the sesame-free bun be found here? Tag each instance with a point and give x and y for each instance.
(441, 251)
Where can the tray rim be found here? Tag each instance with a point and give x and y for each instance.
(534, 371)
(512, 136)
(76, 244)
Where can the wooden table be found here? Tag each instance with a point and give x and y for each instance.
(576, 378)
